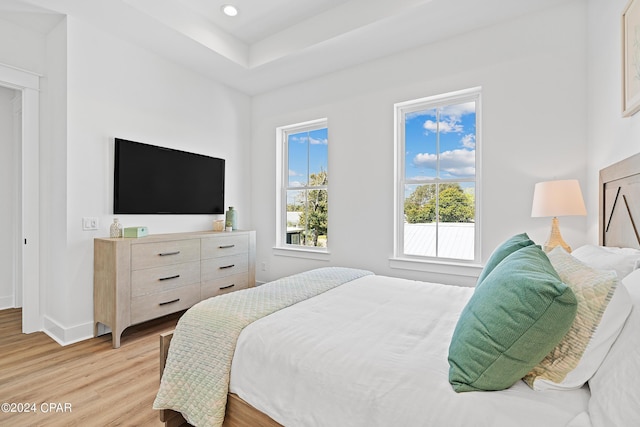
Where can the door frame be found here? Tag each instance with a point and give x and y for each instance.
(29, 253)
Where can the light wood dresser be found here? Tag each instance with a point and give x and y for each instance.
(139, 279)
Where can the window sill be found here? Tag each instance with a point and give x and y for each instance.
(440, 267)
(315, 254)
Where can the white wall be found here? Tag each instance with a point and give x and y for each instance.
(611, 137)
(115, 89)
(532, 73)
(21, 47)
(53, 179)
(7, 208)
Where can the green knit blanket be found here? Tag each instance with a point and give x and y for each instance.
(196, 376)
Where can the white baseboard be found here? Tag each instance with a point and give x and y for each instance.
(66, 336)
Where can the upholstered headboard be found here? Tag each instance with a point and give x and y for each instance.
(620, 204)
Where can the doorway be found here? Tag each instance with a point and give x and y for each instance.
(10, 129)
(27, 193)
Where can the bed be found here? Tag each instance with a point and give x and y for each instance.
(347, 347)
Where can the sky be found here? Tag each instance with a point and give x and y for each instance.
(308, 154)
(456, 127)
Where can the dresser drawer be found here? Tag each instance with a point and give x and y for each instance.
(156, 254)
(216, 268)
(221, 246)
(159, 279)
(155, 305)
(225, 285)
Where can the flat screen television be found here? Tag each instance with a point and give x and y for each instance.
(154, 180)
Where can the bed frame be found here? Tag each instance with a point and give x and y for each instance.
(619, 213)
(619, 222)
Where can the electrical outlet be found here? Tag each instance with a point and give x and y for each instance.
(265, 266)
(89, 223)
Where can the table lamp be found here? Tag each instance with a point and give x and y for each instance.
(554, 199)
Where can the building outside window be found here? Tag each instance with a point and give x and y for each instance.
(303, 186)
(437, 185)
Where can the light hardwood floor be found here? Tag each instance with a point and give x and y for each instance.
(90, 383)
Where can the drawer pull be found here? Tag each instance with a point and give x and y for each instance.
(226, 246)
(170, 302)
(169, 253)
(227, 266)
(222, 288)
(169, 278)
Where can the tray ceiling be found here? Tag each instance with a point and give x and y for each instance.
(274, 43)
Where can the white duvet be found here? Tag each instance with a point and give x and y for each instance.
(373, 352)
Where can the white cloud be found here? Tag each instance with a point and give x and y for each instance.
(443, 127)
(298, 139)
(419, 114)
(469, 140)
(450, 117)
(302, 139)
(425, 160)
(455, 162)
(455, 112)
(295, 183)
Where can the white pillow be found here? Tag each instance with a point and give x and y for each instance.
(603, 307)
(615, 395)
(622, 260)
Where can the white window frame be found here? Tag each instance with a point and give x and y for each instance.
(282, 179)
(428, 263)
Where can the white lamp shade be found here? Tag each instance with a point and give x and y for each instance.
(558, 198)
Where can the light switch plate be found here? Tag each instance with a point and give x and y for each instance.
(89, 223)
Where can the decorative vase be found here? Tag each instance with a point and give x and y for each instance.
(116, 229)
(231, 219)
(218, 225)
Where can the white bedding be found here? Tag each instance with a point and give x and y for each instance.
(373, 352)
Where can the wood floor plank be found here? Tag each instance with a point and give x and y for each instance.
(84, 384)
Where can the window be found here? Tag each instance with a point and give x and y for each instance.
(303, 186)
(437, 141)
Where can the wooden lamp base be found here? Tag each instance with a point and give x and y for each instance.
(555, 238)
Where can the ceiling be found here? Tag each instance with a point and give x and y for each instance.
(273, 43)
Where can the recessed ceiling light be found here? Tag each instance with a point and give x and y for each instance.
(229, 10)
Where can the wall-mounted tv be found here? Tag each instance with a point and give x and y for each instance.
(154, 180)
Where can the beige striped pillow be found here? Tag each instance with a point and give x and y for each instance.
(576, 358)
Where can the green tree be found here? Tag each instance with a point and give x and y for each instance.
(454, 204)
(314, 216)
